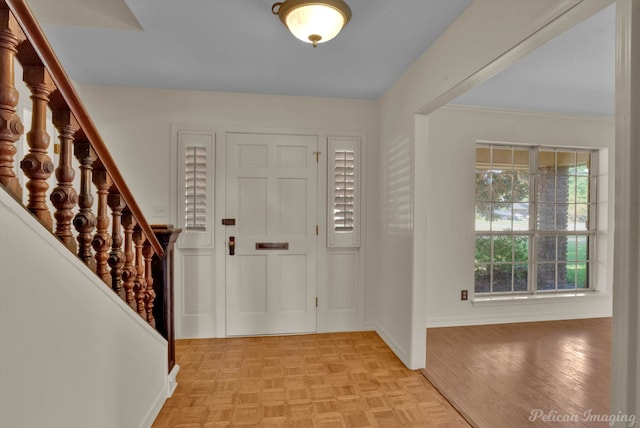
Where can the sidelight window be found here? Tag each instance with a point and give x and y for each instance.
(344, 192)
(195, 188)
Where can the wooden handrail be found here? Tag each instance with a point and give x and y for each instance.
(32, 30)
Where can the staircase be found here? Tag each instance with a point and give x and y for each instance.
(86, 309)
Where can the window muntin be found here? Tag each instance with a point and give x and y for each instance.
(534, 219)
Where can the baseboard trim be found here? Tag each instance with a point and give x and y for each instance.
(515, 318)
(172, 381)
(397, 349)
(155, 408)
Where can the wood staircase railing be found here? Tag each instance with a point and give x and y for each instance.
(109, 234)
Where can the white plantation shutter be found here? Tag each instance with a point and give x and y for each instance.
(195, 191)
(195, 188)
(343, 199)
(344, 165)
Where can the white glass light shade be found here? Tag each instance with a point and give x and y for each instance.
(313, 21)
(305, 22)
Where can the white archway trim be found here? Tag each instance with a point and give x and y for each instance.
(562, 17)
(625, 375)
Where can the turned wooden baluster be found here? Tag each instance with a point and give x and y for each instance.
(10, 126)
(128, 270)
(85, 220)
(37, 164)
(102, 240)
(116, 257)
(64, 197)
(149, 293)
(140, 284)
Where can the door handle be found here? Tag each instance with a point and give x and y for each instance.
(232, 245)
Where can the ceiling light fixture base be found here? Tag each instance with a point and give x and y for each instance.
(313, 21)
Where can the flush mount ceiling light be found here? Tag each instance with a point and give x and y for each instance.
(313, 21)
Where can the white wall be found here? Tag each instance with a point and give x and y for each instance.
(73, 354)
(393, 315)
(136, 123)
(450, 184)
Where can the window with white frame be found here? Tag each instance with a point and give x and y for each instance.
(344, 192)
(195, 188)
(534, 219)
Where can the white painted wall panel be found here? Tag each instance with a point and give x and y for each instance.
(343, 303)
(292, 274)
(292, 157)
(197, 271)
(252, 284)
(343, 281)
(251, 156)
(194, 298)
(292, 195)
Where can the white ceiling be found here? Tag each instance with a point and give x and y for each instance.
(573, 73)
(239, 46)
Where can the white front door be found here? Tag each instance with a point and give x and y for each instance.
(271, 192)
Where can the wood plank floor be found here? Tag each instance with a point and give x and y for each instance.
(496, 375)
(320, 380)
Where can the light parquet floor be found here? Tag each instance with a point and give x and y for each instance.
(497, 375)
(320, 380)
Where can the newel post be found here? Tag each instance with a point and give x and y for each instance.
(163, 285)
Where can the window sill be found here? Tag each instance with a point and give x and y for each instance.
(538, 298)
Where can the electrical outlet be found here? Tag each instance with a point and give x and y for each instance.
(464, 294)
